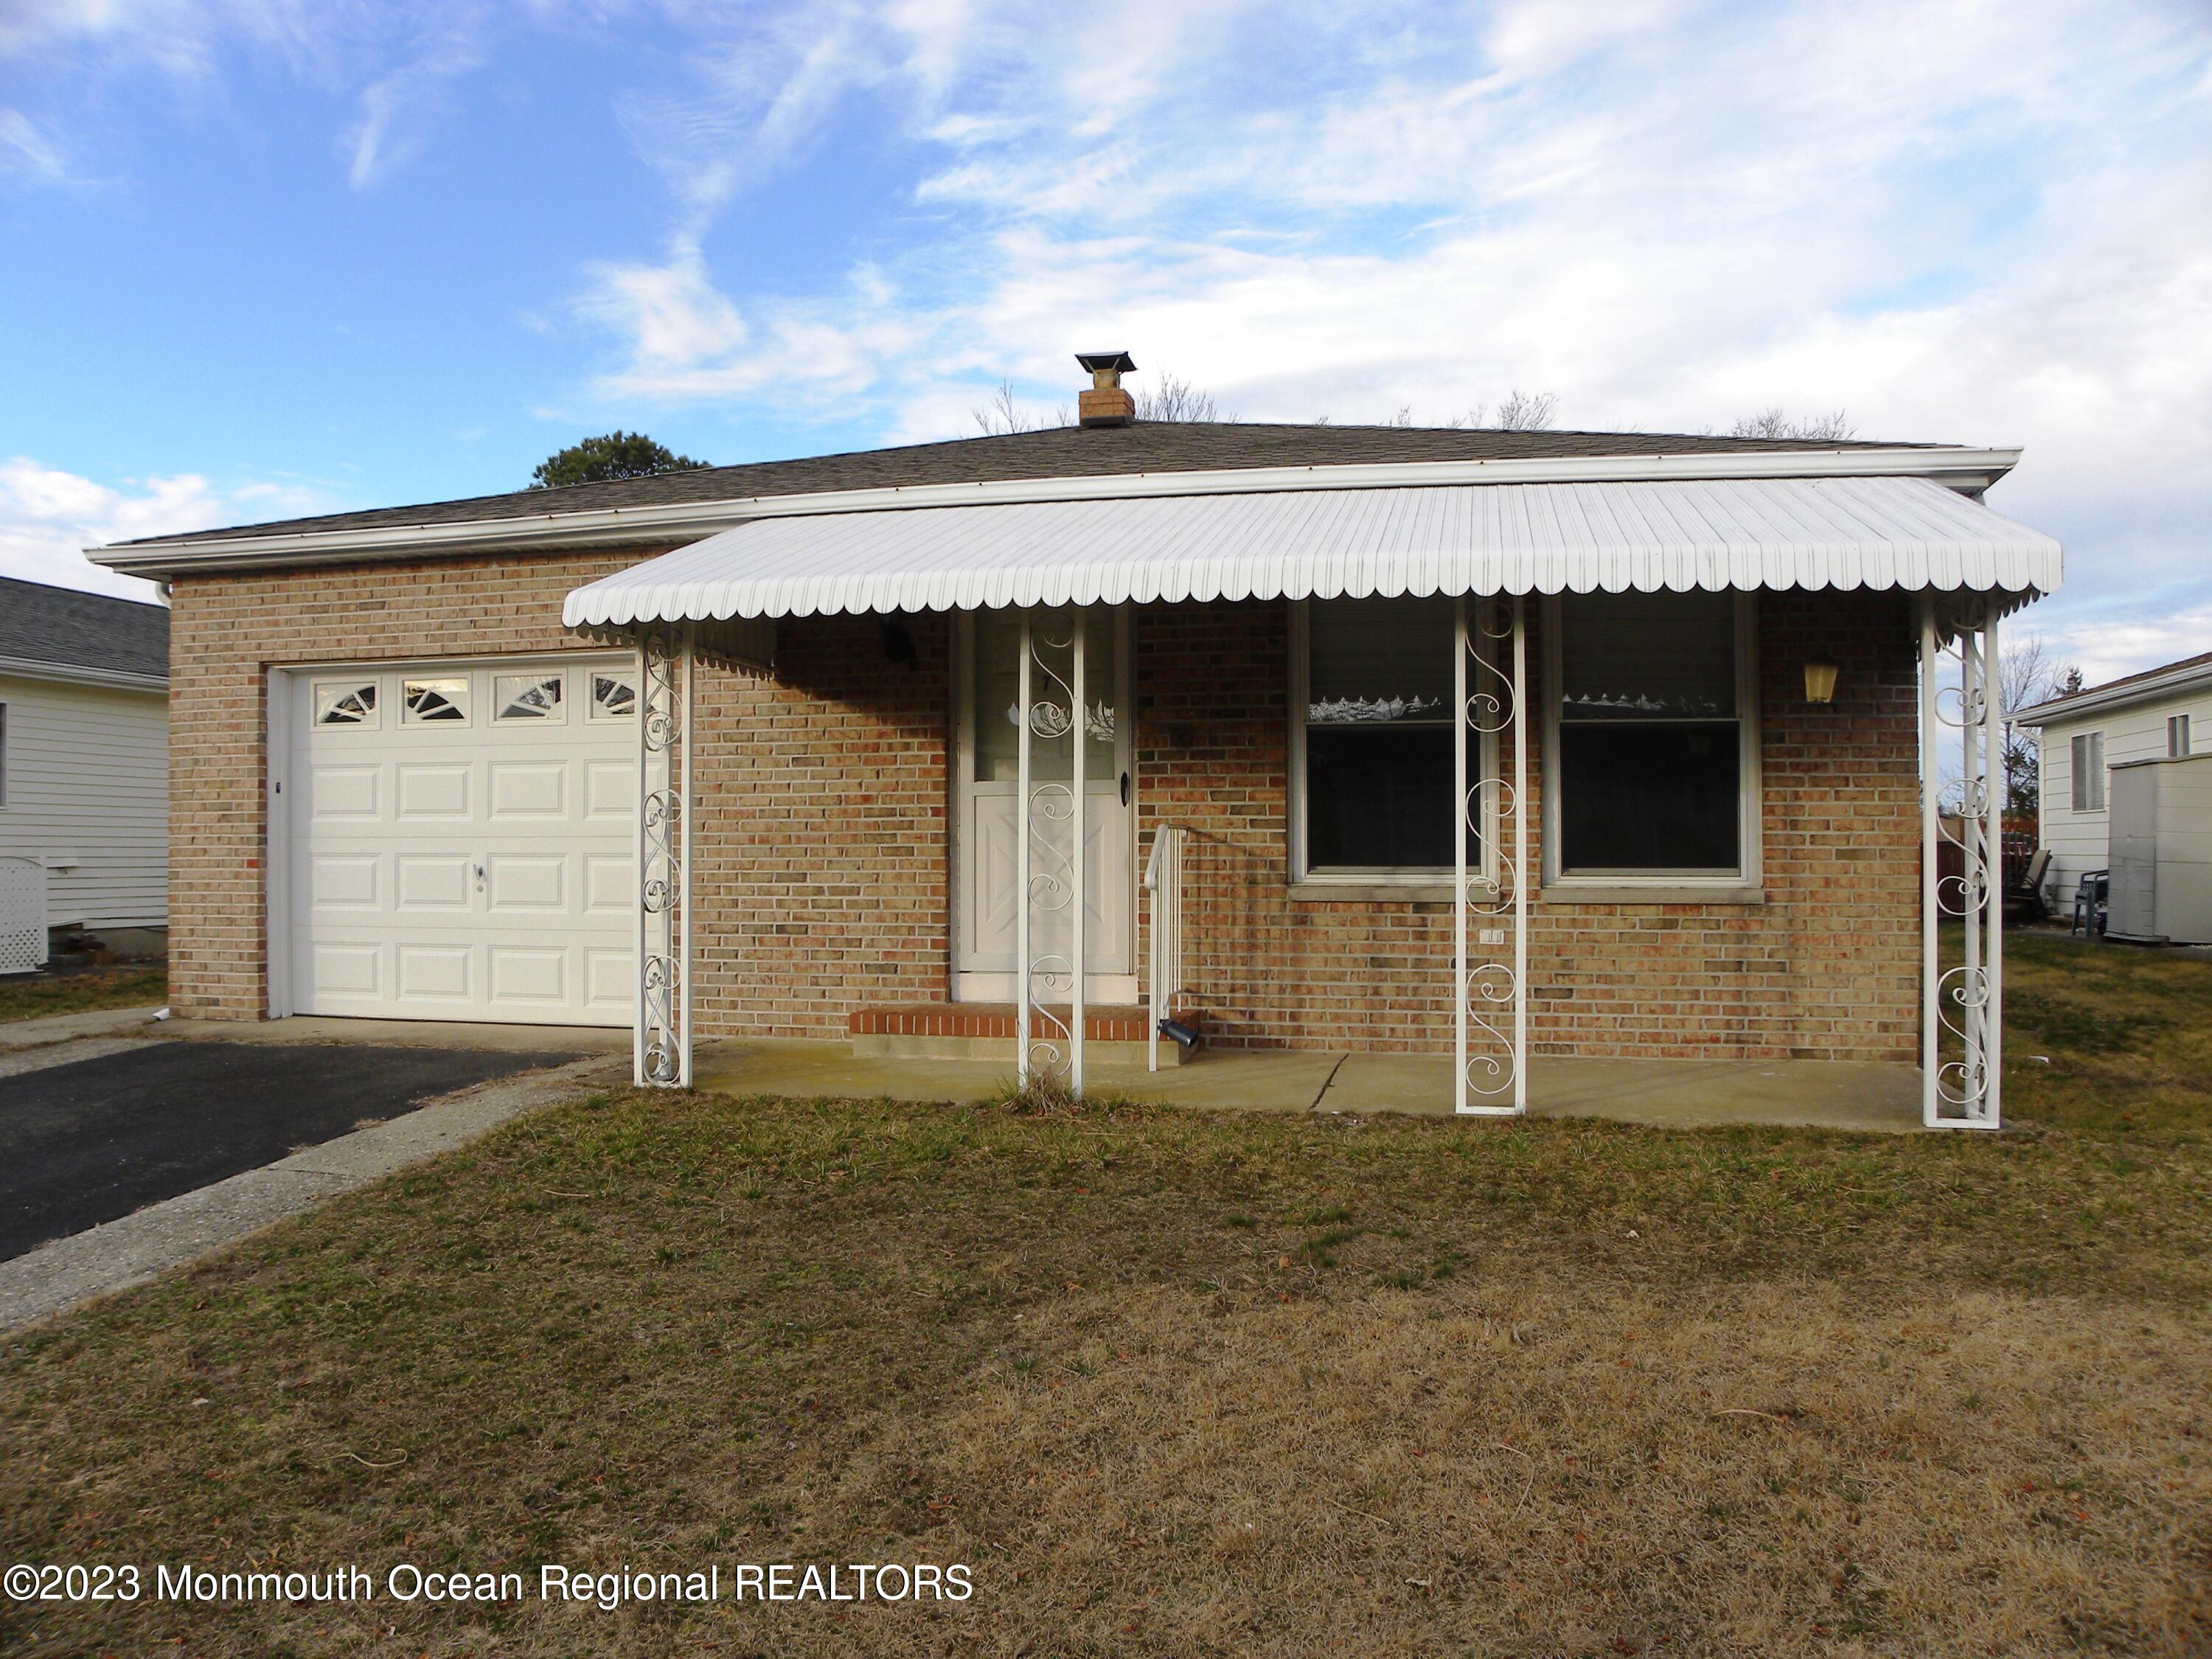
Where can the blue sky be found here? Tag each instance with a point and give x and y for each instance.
(277, 257)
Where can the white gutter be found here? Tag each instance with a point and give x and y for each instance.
(2170, 682)
(30, 668)
(1969, 471)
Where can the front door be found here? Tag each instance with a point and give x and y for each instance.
(985, 805)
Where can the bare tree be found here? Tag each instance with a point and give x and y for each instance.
(1472, 418)
(1004, 414)
(1527, 412)
(1774, 423)
(2030, 675)
(1176, 399)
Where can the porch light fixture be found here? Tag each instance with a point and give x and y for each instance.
(1821, 678)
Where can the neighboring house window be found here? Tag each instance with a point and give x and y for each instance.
(2088, 755)
(1372, 730)
(3, 754)
(443, 702)
(2177, 736)
(614, 696)
(346, 702)
(1651, 702)
(526, 697)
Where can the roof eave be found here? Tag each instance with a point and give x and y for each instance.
(2181, 681)
(120, 679)
(1970, 472)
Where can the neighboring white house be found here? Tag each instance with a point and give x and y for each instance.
(2159, 715)
(84, 757)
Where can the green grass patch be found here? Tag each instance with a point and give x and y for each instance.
(41, 994)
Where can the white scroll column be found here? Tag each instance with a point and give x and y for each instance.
(1962, 1007)
(1490, 1051)
(661, 1015)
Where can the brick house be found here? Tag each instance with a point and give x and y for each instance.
(1471, 742)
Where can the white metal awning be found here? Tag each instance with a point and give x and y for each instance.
(1717, 534)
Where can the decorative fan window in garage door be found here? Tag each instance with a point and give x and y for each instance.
(346, 702)
(446, 701)
(526, 697)
(614, 696)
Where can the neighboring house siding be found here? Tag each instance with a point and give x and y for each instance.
(2078, 841)
(822, 853)
(87, 792)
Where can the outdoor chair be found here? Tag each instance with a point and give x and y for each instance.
(2025, 903)
(2089, 903)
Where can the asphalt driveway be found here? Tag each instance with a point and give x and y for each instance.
(95, 1138)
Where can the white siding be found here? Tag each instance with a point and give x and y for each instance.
(2078, 840)
(87, 789)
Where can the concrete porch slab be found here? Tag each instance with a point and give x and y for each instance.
(1683, 1094)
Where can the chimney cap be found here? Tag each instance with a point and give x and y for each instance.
(1118, 362)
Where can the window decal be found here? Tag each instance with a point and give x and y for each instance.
(526, 697)
(342, 703)
(614, 696)
(443, 701)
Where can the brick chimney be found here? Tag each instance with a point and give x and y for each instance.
(1106, 403)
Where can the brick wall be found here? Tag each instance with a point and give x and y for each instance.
(822, 854)
(1826, 967)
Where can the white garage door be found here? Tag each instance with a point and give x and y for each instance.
(462, 841)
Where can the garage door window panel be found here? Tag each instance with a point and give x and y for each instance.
(434, 703)
(614, 696)
(528, 697)
(346, 702)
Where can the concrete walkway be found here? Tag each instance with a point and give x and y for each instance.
(1679, 1094)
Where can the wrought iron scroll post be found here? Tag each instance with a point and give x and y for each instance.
(1079, 739)
(1962, 1023)
(1490, 1058)
(1048, 855)
(661, 1023)
(1022, 765)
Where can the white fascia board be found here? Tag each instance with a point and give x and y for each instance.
(1969, 471)
(2178, 682)
(29, 668)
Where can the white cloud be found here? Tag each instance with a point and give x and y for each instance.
(398, 109)
(49, 516)
(1986, 220)
(24, 149)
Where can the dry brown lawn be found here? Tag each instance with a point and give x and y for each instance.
(1180, 1385)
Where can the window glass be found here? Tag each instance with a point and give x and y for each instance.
(444, 701)
(526, 697)
(614, 696)
(1647, 656)
(2177, 736)
(346, 702)
(1649, 735)
(995, 639)
(1379, 730)
(2088, 760)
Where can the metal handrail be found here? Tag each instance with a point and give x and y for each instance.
(1163, 881)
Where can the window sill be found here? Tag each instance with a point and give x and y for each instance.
(1598, 892)
(1382, 892)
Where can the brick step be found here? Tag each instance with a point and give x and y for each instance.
(980, 1030)
(990, 1020)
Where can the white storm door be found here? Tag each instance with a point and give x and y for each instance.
(463, 842)
(984, 815)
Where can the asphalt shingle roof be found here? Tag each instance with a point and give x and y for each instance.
(59, 625)
(1049, 452)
